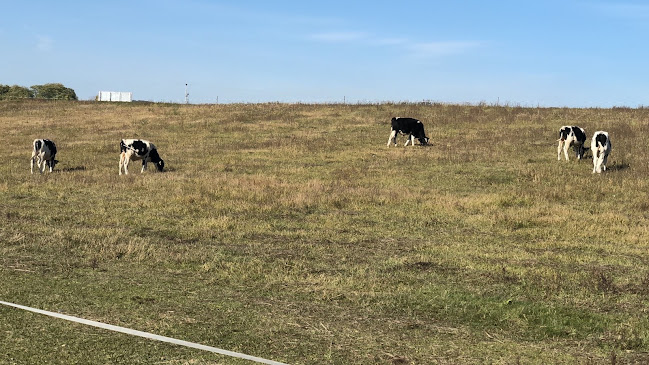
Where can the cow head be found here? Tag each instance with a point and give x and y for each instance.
(424, 141)
(160, 165)
(155, 158)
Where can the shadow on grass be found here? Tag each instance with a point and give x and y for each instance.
(618, 166)
(76, 168)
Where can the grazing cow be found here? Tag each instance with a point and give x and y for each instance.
(600, 145)
(138, 149)
(410, 126)
(571, 136)
(44, 153)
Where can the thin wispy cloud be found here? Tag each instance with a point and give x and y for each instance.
(339, 37)
(44, 43)
(417, 49)
(390, 41)
(444, 48)
(275, 18)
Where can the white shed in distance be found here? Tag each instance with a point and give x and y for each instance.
(115, 96)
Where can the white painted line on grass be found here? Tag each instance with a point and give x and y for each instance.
(151, 336)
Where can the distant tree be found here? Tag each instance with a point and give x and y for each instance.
(15, 92)
(54, 91)
(47, 91)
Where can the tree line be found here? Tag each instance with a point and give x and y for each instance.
(46, 91)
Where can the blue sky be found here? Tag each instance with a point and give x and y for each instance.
(529, 53)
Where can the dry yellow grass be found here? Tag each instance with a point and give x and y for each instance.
(291, 232)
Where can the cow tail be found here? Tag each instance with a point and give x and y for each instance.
(600, 149)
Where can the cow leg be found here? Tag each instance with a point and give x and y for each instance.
(126, 161)
(143, 165)
(407, 140)
(41, 162)
(599, 165)
(121, 162)
(392, 138)
(31, 162)
(411, 139)
(566, 145)
(38, 163)
(604, 161)
(581, 151)
(596, 161)
(559, 150)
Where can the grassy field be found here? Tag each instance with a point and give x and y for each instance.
(291, 232)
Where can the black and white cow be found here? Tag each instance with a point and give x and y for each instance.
(138, 149)
(408, 126)
(571, 136)
(43, 153)
(600, 145)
